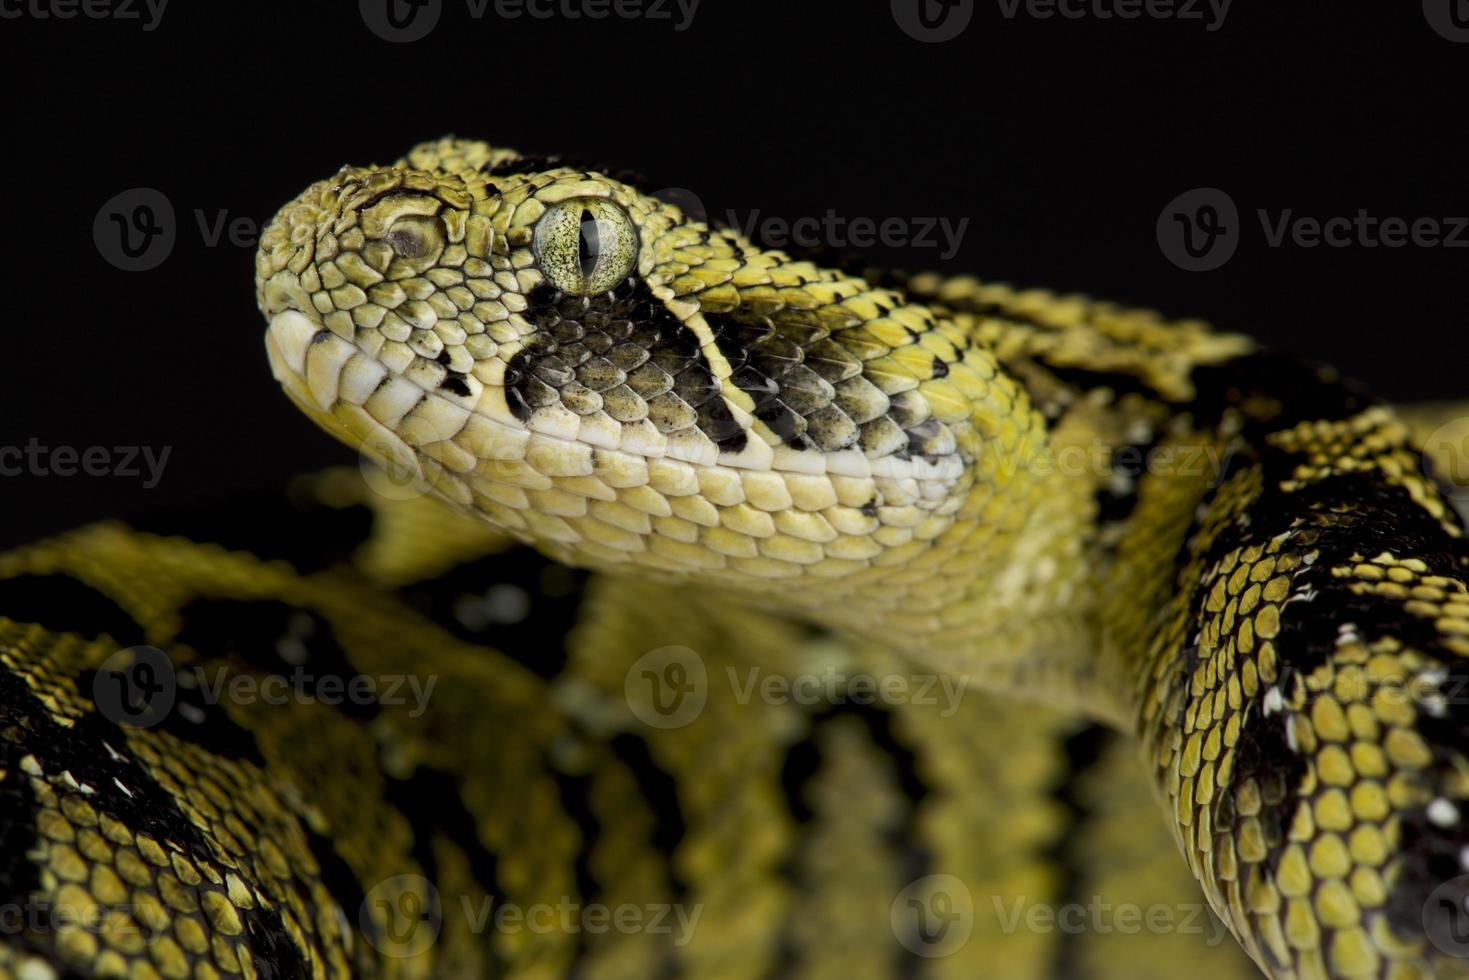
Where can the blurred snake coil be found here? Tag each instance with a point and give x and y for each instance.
(546, 719)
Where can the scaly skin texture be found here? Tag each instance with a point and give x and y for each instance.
(306, 839)
(1233, 557)
(1281, 625)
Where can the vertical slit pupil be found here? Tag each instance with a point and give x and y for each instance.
(589, 245)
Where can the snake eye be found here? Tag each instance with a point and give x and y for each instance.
(586, 246)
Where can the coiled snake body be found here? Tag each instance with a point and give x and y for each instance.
(738, 465)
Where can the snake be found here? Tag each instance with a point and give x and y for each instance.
(1080, 590)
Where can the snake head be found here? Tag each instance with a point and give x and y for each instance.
(587, 367)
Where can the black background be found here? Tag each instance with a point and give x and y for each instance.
(1060, 140)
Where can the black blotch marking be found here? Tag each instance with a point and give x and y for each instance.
(455, 382)
(64, 604)
(802, 765)
(1273, 390)
(575, 792)
(1084, 748)
(1351, 515)
(336, 875)
(19, 876)
(308, 535)
(517, 602)
(273, 637)
(1130, 463)
(274, 954)
(1118, 383)
(660, 790)
(431, 802)
(803, 759)
(869, 509)
(571, 330)
(79, 748)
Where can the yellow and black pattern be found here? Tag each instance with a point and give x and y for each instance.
(235, 836)
(672, 459)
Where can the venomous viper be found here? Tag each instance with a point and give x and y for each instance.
(676, 461)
